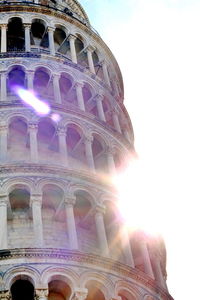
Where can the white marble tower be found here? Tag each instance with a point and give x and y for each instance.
(61, 236)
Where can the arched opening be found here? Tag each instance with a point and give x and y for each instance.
(54, 216)
(99, 155)
(94, 291)
(19, 218)
(47, 141)
(15, 35)
(42, 84)
(59, 290)
(90, 101)
(16, 78)
(107, 111)
(67, 90)
(112, 226)
(84, 218)
(81, 55)
(22, 290)
(97, 65)
(18, 141)
(88, 97)
(126, 295)
(136, 237)
(39, 34)
(76, 147)
(61, 42)
(119, 161)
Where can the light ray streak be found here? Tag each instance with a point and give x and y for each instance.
(29, 98)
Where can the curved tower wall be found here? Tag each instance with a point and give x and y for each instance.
(60, 232)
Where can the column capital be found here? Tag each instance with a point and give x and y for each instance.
(3, 72)
(30, 72)
(61, 131)
(103, 61)
(115, 111)
(3, 200)
(27, 25)
(79, 84)
(100, 208)
(80, 294)
(41, 293)
(90, 48)
(5, 295)
(33, 126)
(88, 139)
(72, 37)
(110, 150)
(4, 26)
(36, 199)
(3, 128)
(99, 97)
(50, 29)
(56, 75)
(70, 200)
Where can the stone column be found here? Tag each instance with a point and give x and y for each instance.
(71, 226)
(111, 162)
(27, 37)
(88, 152)
(80, 294)
(158, 272)
(79, 94)
(51, 40)
(126, 133)
(105, 72)
(3, 37)
(146, 259)
(30, 77)
(36, 203)
(126, 247)
(99, 100)
(90, 50)
(56, 88)
(3, 142)
(72, 39)
(3, 86)
(100, 227)
(42, 293)
(33, 129)
(3, 221)
(116, 121)
(62, 145)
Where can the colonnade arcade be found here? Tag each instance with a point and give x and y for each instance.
(56, 38)
(58, 284)
(68, 143)
(70, 219)
(63, 89)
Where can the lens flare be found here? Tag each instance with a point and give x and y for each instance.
(29, 98)
(55, 117)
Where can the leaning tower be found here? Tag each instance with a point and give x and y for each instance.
(64, 132)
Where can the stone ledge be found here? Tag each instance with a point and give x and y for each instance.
(40, 169)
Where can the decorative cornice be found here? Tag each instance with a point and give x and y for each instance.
(28, 168)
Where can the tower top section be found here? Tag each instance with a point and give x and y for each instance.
(69, 7)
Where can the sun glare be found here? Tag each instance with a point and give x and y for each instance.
(138, 199)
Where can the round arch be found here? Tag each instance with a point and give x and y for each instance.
(67, 275)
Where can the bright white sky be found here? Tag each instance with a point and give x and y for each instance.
(157, 45)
